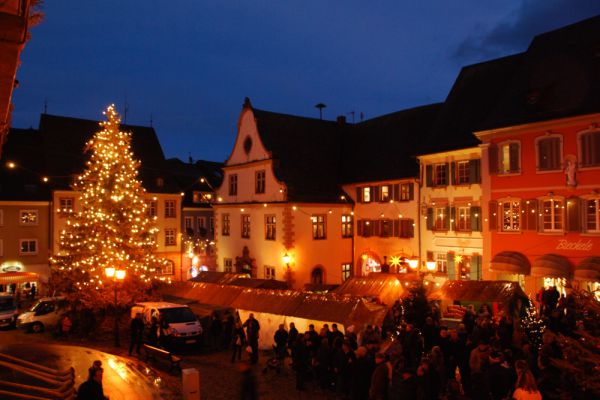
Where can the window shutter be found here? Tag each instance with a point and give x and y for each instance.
(514, 157)
(573, 214)
(475, 267)
(531, 215)
(411, 191)
(476, 219)
(447, 168)
(475, 171)
(493, 216)
(450, 266)
(375, 193)
(453, 173)
(429, 219)
(359, 198)
(411, 228)
(396, 192)
(397, 232)
(429, 175)
(449, 216)
(493, 159)
(360, 227)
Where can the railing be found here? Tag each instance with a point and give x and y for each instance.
(59, 384)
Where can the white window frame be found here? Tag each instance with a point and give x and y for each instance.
(553, 209)
(246, 226)
(596, 214)
(347, 225)
(270, 227)
(170, 233)
(441, 262)
(151, 208)
(580, 152)
(226, 222)
(405, 192)
(463, 224)
(170, 268)
(233, 185)
(466, 169)
(436, 178)
(514, 226)
(367, 194)
(439, 213)
(227, 264)
(538, 155)
(170, 208)
(34, 212)
(385, 195)
(28, 252)
(319, 226)
(269, 272)
(260, 178)
(501, 170)
(346, 271)
(188, 223)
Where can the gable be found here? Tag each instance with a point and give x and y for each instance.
(248, 144)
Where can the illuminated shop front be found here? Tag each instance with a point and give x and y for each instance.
(587, 276)
(554, 270)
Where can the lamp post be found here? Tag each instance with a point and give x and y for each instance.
(286, 260)
(116, 275)
(413, 264)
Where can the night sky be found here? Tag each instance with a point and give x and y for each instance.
(189, 64)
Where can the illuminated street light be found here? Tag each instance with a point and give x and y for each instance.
(116, 275)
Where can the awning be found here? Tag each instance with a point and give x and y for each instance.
(510, 262)
(551, 266)
(588, 270)
(18, 277)
(485, 291)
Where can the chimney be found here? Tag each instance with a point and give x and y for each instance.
(341, 120)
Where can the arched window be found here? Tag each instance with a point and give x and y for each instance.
(316, 276)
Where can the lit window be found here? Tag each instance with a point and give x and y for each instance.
(233, 184)
(463, 173)
(269, 272)
(511, 216)
(28, 247)
(346, 271)
(463, 219)
(385, 193)
(28, 217)
(366, 195)
(347, 225)
(440, 175)
(246, 226)
(405, 192)
(592, 215)
(509, 157)
(169, 269)
(318, 226)
(228, 265)
(589, 149)
(226, 225)
(463, 267)
(170, 237)
(65, 206)
(549, 157)
(440, 219)
(170, 209)
(552, 215)
(441, 260)
(151, 208)
(260, 181)
(270, 227)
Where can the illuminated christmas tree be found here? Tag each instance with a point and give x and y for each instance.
(110, 229)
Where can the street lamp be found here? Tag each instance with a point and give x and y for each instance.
(286, 260)
(431, 266)
(116, 275)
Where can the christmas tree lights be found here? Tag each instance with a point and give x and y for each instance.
(111, 227)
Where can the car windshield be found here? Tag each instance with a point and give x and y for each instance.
(41, 305)
(7, 304)
(177, 315)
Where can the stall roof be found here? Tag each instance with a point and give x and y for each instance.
(386, 287)
(489, 291)
(216, 277)
(259, 283)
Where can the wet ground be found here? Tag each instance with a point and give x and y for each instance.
(131, 378)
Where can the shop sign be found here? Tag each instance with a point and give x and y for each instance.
(580, 245)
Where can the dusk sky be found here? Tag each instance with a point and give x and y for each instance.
(189, 64)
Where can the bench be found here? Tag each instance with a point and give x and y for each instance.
(156, 353)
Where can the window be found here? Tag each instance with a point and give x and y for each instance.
(269, 272)
(260, 181)
(589, 149)
(228, 264)
(202, 222)
(386, 227)
(65, 206)
(318, 226)
(170, 238)
(592, 215)
(151, 208)
(316, 276)
(347, 225)
(406, 192)
(233, 185)
(463, 219)
(270, 227)
(549, 153)
(346, 271)
(188, 223)
(511, 216)
(170, 209)
(384, 193)
(366, 194)
(463, 173)
(509, 158)
(28, 217)
(552, 215)
(440, 222)
(169, 270)
(440, 175)
(246, 226)
(463, 267)
(226, 225)
(441, 260)
(28, 247)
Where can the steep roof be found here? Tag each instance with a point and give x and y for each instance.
(559, 76)
(306, 154)
(383, 148)
(64, 140)
(188, 177)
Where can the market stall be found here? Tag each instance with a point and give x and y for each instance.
(379, 287)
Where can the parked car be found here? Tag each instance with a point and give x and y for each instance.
(180, 324)
(8, 311)
(47, 312)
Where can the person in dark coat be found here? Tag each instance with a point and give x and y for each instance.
(361, 375)
(281, 338)
(300, 359)
(323, 361)
(153, 332)
(238, 341)
(292, 335)
(92, 388)
(216, 330)
(249, 390)
(380, 380)
(137, 331)
(252, 331)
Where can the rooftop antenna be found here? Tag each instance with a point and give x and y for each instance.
(190, 159)
(45, 105)
(352, 113)
(125, 110)
(320, 106)
(362, 116)
(151, 120)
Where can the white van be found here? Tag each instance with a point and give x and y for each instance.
(8, 311)
(182, 325)
(45, 313)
